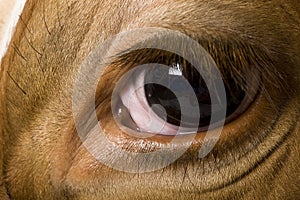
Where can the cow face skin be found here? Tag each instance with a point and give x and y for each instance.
(42, 156)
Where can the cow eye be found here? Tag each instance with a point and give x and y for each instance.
(151, 99)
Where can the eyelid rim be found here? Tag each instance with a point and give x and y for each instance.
(252, 88)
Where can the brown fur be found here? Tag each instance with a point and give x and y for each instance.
(256, 158)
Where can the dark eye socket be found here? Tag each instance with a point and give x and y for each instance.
(160, 98)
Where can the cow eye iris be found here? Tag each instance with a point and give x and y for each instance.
(151, 100)
(178, 81)
(175, 75)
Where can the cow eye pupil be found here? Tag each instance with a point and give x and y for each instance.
(158, 94)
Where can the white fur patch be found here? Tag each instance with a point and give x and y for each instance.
(9, 25)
